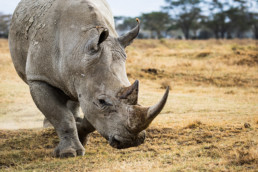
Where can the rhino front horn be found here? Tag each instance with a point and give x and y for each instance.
(156, 109)
(128, 38)
(141, 117)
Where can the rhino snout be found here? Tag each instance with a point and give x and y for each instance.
(119, 142)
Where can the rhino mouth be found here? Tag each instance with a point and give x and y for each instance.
(119, 142)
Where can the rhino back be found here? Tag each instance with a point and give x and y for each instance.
(45, 33)
(23, 21)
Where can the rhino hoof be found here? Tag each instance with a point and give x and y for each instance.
(68, 153)
(80, 152)
(47, 124)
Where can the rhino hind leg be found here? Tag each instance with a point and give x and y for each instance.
(52, 103)
(47, 124)
(73, 106)
(84, 129)
(83, 126)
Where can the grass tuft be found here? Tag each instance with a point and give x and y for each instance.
(244, 156)
(194, 125)
(203, 54)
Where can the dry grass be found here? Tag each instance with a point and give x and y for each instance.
(210, 122)
(212, 63)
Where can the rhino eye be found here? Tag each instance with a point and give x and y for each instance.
(104, 103)
(94, 49)
(91, 48)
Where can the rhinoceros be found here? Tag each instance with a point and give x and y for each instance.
(70, 55)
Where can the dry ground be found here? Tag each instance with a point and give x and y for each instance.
(210, 122)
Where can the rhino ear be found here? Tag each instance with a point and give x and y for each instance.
(93, 44)
(103, 36)
(128, 38)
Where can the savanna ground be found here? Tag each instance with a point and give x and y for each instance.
(210, 122)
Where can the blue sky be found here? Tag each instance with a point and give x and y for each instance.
(119, 7)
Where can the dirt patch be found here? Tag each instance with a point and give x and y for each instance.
(151, 71)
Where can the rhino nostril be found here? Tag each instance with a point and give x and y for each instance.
(115, 141)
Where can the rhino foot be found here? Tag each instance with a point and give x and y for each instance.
(47, 124)
(68, 152)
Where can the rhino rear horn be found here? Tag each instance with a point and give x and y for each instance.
(130, 94)
(128, 38)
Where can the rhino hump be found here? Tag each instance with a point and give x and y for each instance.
(44, 33)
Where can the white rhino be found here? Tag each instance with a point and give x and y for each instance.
(70, 55)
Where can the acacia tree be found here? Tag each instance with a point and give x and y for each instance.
(187, 14)
(239, 21)
(227, 17)
(217, 21)
(157, 22)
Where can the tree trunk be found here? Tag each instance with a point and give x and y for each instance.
(255, 31)
(159, 34)
(222, 34)
(216, 33)
(186, 33)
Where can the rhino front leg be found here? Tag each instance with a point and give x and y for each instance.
(74, 108)
(52, 103)
(83, 126)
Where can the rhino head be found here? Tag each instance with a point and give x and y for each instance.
(108, 100)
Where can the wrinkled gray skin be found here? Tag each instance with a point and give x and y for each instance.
(69, 54)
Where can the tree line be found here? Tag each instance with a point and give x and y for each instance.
(199, 19)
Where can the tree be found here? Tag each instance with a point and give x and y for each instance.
(157, 22)
(217, 21)
(239, 22)
(228, 17)
(187, 14)
(5, 21)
